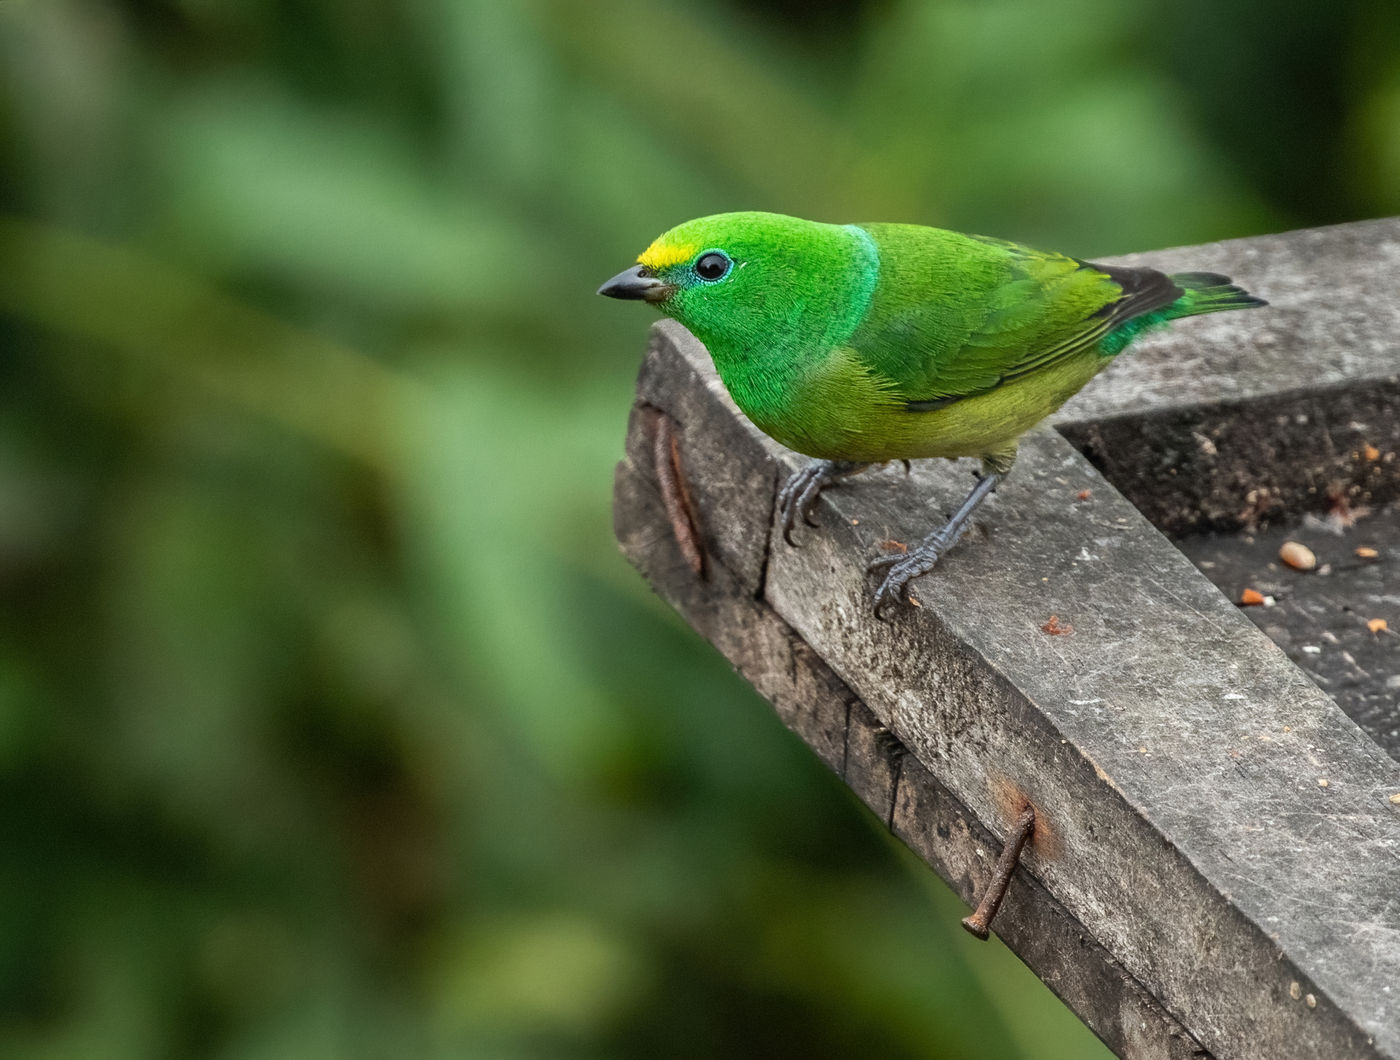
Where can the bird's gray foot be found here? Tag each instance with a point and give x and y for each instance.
(901, 568)
(801, 490)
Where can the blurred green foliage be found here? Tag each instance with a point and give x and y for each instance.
(331, 722)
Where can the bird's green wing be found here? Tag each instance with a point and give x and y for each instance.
(955, 315)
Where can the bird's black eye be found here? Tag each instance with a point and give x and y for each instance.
(712, 265)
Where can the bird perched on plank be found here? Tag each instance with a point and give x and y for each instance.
(864, 343)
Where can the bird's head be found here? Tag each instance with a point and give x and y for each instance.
(741, 276)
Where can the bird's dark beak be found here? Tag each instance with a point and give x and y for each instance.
(637, 284)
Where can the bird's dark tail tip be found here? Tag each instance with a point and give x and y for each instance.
(1209, 292)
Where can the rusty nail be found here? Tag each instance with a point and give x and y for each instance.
(980, 921)
(675, 494)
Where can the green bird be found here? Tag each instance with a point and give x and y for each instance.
(864, 343)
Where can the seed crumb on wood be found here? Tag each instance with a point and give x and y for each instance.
(1297, 555)
(1056, 628)
(1251, 598)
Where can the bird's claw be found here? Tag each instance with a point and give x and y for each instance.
(797, 496)
(901, 568)
(800, 492)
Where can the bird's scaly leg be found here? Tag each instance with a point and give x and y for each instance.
(902, 568)
(803, 487)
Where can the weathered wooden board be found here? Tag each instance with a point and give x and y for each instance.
(1174, 755)
(836, 724)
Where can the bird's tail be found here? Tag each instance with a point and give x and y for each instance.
(1208, 292)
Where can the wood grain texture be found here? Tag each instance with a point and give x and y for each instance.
(821, 709)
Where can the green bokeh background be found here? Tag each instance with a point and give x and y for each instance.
(332, 724)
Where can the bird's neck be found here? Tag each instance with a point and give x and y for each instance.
(761, 372)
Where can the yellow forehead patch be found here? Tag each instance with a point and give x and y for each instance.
(662, 255)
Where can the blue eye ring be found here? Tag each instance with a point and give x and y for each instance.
(712, 266)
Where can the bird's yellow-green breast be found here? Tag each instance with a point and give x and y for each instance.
(875, 342)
